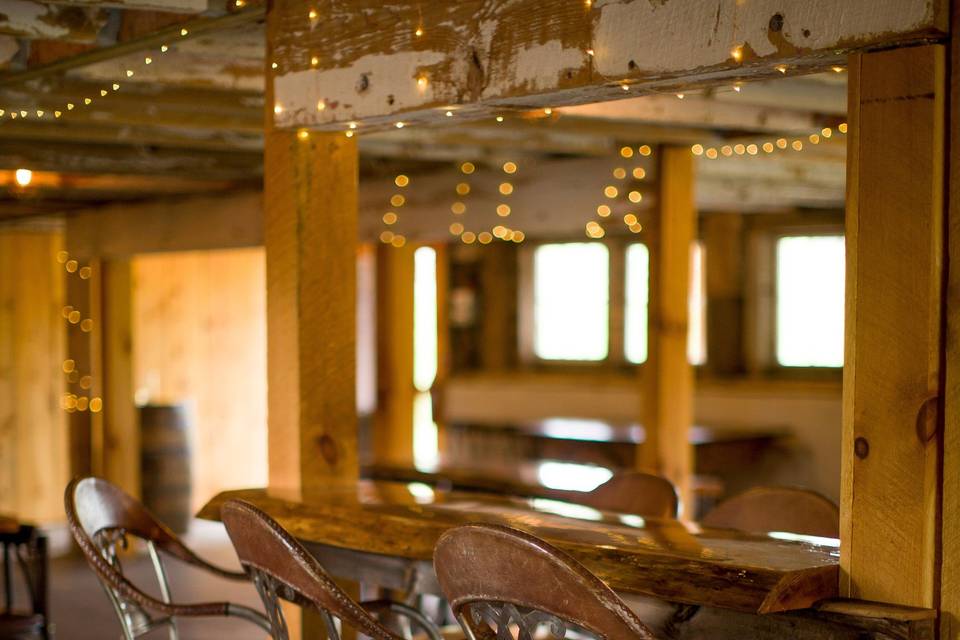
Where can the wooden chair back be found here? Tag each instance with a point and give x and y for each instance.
(282, 568)
(495, 577)
(101, 517)
(765, 509)
(635, 492)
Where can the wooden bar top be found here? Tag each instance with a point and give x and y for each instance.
(665, 559)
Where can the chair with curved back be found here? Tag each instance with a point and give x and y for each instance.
(281, 568)
(101, 517)
(496, 577)
(765, 509)
(635, 492)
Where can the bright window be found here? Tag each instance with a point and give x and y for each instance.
(810, 283)
(425, 442)
(637, 298)
(570, 301)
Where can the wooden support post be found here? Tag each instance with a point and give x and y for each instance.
(393, 422)
(498, 316)
(723, 246)
(34, 456)
(950, 519)
(121, 424)
(667, 374)
(894, 313)
(310, 195)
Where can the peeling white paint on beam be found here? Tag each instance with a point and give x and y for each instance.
(28, 19)
(666, 37)
(654, 45)
(172, 6)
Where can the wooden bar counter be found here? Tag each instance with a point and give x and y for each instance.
(664, 559)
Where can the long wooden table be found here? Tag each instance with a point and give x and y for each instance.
(684, 581)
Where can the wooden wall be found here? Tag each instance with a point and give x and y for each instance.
(34, 459)
(200, 337)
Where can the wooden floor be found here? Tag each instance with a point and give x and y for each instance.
(81, 610)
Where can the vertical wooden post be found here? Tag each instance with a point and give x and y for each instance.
(498, 318)
(310, 217)
(894, 313)
(950, 519)
(393, 422)
(723, 244)
(121, 427)
(667, 374)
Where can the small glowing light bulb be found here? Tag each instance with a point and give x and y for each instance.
(129, 73)
(183, 32)
(737, 53)
(782, 68)
(418, 32)
(164, 48)
(449, 114)
(148, 60)
(399, 125)
(23, 177)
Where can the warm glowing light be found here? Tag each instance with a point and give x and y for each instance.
(398, 241)
(739, 149)
(418, 32)
(349, 134)
(726, 150)
(303, 134)
(129, 73)
(737, 53)
(23, 177)
(96, 404)
(636, 228)
(782, 143)
(485, 237)
(518, 236)
(814, 138)
(386, 237)
(768, 147)
(389, 217)
(314, 61)
(506, 188)
(711, 153)
(626, 152)
(619, 173)
(71, 266)
(639, 173)
(86, 325)
(499, 118)
(837, 69)
(85, 273)
(826, 132)
(503, 210)
(697, 149)
(463, 188)
(422, 82)
(467, 168)
(681, 96)
(625, 87)
(352, 125)
(610, 191)
(645, 150)
(321, 105)
(401, 180)
(164, 48)
(797, 145)
(399, 125)
(590, 52)
(635, 196)
(509, 167)
(782, 68)
(594, 230)
(752, 149)
(313, 15)
(468, 237)
(548, 111)
(116, 87)
(87, 101)
(458, 208)
(456, 228)
(148, 60)
(277, 109)
(449, 114)
(69, 365)
(397, 200)
(184, 33)
(274, 65)
(842, 127)
(603, 211)
(629, 219)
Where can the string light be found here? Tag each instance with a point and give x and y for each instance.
(737, 53)
(782, 68)
(23, 177)
(769, 146)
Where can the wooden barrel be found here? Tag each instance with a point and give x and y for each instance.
(165, 463)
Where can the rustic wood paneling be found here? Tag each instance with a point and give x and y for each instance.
(34, 458)
(895, 271)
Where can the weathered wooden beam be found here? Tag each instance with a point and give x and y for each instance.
(892, 425)
(667, 376)
(378, 64)
(174, 6)
(165, 36)
(30, 19)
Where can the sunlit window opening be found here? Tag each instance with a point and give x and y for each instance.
(810, 283)
(637, 298)
(570, 301)
(697, 307)
(425, 443)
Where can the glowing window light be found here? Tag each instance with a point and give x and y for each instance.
(424, 318)
(570, 476)
(637, 298)
(571, 300)
(810, 299)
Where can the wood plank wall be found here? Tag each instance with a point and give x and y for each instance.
(34, 458)
(200, 337)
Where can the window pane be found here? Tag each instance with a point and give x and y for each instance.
(637, 296)
(570, 300)
(424, 318)
(810, 281)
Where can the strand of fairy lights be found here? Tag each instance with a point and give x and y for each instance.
(390, 218)
(503, 210)
(593, 228)
(71, 402)
(60, 110)
(770, 146)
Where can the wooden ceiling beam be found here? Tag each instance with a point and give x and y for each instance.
(171, 6)
(411, 61)
(38, 20)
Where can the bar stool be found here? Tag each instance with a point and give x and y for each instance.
(635, 492)
(26, 547)
(787, 509)
(496, 577)
(101, 518)
(282, 569)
